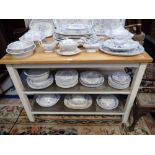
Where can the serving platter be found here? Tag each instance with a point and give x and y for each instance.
(120, 44)
(45, 26)
(137, 51)
(78, 101)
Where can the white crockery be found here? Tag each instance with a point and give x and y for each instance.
(37, 75)
(45, 26)
(68, 45)
(107, 102)
(47, 100)
(40, 85)
(21, 49)
(49, 46)
(78, 101)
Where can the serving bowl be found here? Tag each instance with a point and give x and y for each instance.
(37, 75)
(21, 49)
(47, 100)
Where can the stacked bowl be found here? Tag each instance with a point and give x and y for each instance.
(39, 78)
(91, 79)
(78, 101)
(66, 78)
(119, 80)
(107, 102)
(21, 49)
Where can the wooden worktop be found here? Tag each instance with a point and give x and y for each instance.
(40, 57)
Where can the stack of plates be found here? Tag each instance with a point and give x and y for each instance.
(121, 47)
(39, 79)
(47, 100)
(107, 102)
(66, 78)
(78, 101)
(72, 31)
(91, 79)
(119, 80)
(21, 49)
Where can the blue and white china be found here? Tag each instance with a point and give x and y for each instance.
(21, 49)
(119, 80)
(37, 75)
(91, 78)
(45, 26)
(41, 84)
(66, 78)
(136, 51)
(47, 100)
(78, 101)
(33, 35)
(68, 45)
(49, 45)
(107, 102)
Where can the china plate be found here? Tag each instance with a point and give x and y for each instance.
(120, 77)
(91, 85)
(47, 100)
(137, 51)
(92, 77)
(116, 85)
(68, 53)
(83, 103)
(44, 25)
(107, 102)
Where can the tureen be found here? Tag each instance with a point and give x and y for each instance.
(68, 45)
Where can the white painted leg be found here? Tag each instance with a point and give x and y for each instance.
(19, 88)
(135, 86)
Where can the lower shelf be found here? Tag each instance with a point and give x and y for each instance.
(61, 109)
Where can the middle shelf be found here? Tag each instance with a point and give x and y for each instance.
(78, 89)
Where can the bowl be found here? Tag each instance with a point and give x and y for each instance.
(36, 75)
(107, 102)
(48, 45)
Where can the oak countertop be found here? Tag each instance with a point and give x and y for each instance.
(40, 57)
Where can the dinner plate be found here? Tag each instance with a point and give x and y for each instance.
(92, 77)
(91, 85)
(47, 100)
(120, 77)
(116, 85)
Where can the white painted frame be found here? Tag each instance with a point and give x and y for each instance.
(140, 68)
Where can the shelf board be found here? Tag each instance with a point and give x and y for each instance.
(78, 89)
(60, 108)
